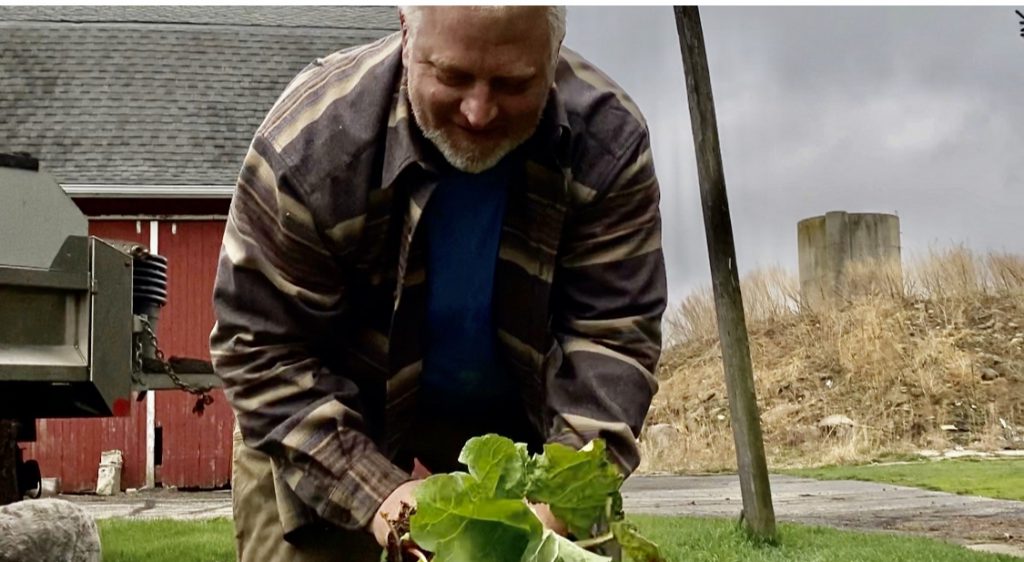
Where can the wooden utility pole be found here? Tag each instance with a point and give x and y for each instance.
(732, 329)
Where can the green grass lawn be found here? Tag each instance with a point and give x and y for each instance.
(167, 540)
(994, 478)
(681, 539)
(719, 540)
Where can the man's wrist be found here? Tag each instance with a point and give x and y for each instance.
(378, 510)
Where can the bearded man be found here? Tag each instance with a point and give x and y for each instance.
(449, 232)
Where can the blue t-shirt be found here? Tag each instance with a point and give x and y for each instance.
(463, 221)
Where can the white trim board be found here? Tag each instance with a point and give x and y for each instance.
(160, 218)
(129, 191)
(154, 247)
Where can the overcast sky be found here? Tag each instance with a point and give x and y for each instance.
(916, 111)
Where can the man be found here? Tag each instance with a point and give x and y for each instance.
(449, 232)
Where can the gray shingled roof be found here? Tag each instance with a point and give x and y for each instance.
(339, 17)
(157, 95)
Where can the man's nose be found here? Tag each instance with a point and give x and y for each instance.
(478, 107)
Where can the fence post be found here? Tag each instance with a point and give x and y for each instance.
(758, 512)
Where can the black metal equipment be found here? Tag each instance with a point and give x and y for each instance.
(78, 314)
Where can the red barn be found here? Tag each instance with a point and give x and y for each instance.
(143, 114)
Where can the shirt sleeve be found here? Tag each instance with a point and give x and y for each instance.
(609, 297)
(278, 297)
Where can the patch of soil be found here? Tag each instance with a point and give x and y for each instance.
(969, 529)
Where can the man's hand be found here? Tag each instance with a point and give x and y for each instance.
(543, 512)
(392, 506)
(389, 510)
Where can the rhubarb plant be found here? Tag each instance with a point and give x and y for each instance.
(484, 514)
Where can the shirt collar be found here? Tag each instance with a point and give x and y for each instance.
(551, 142)
(404, 144)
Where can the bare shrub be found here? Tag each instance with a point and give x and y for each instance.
(902, 354)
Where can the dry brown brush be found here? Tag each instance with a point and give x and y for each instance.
(930, 357)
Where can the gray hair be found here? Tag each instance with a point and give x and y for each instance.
(556, 23)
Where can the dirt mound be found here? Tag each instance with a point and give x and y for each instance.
(889, 373)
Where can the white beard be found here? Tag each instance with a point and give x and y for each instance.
(468, 160)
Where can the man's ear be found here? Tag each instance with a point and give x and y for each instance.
(554, 63)
(405, 37)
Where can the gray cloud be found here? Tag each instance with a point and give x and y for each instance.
(914, 110)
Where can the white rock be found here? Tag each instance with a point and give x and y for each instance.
(964, 454)
(47, 530)
(1011, 453)
(988, 374)
(836, 420)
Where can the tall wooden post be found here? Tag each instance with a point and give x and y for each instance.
(732, 330)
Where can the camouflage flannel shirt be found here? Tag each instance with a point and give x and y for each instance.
(320, 293)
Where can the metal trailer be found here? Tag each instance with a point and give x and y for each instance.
(78, 318)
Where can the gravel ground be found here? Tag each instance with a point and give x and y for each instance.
(982, 523)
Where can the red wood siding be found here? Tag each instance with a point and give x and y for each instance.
(196, 449)
(70, 449)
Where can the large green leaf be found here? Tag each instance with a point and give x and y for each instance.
(577, 485)
(457, 525)
(482, 515)
(498, 464)
(638, 548)
(554, 548)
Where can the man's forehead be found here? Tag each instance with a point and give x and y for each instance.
(453, 43)
(495, 13)
(497, 23)
(446, 63)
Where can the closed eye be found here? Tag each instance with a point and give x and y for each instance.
(454, 78)
(511, 85)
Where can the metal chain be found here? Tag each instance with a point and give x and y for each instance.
(202, 394)
(137, 362)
